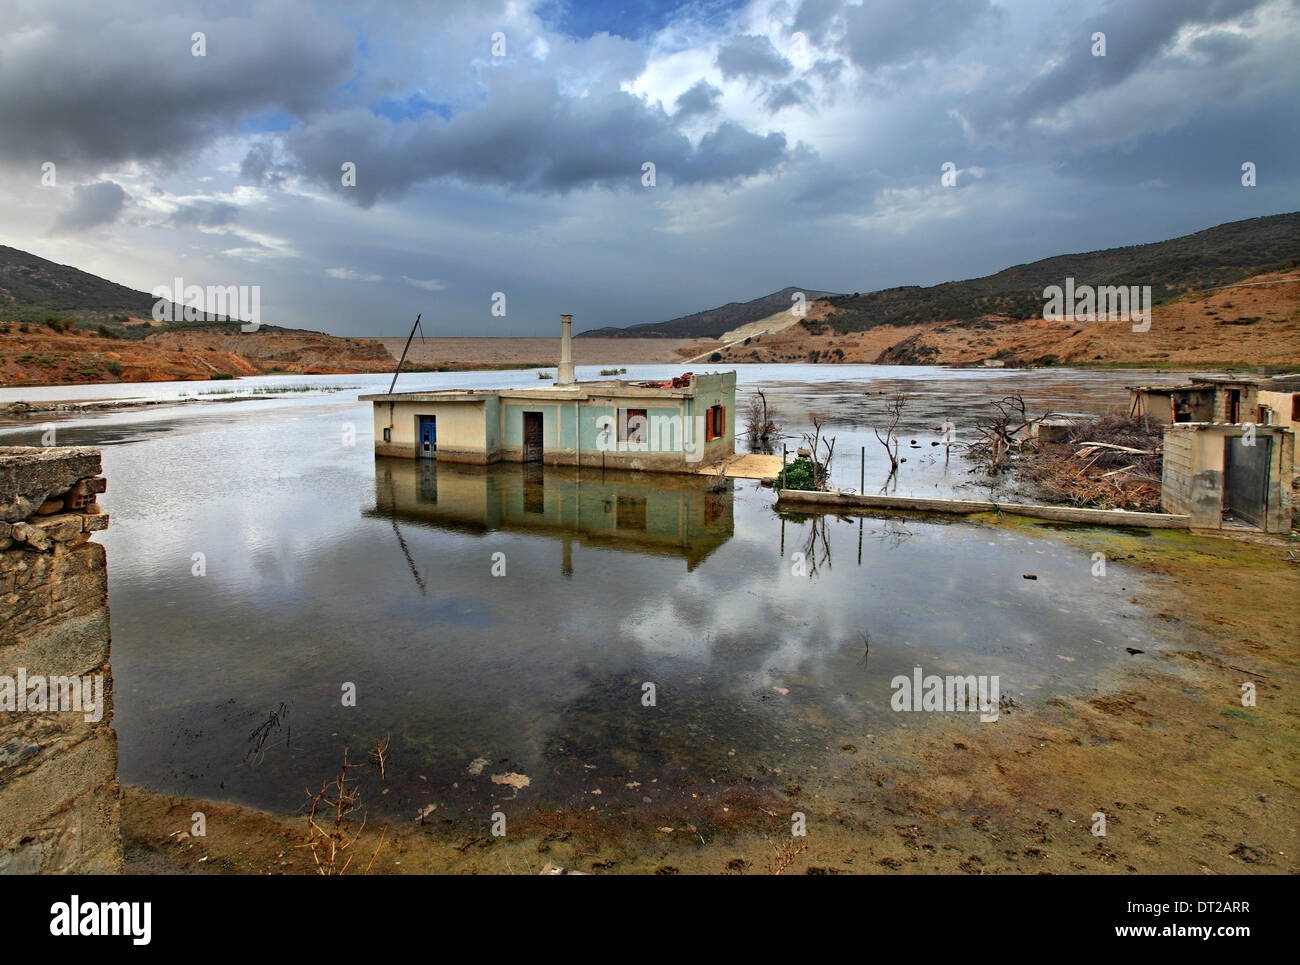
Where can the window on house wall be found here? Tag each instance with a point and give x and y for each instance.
(631, 513)
(1295, 407)
(715, 422)
(633, 426)
(712, 509)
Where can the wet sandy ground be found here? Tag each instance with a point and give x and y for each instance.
(1190, 781)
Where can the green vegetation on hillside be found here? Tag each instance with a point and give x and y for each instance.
(1207, 259)
(34, 290)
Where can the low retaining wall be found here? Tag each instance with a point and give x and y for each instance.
(1068, 514)
(59, 794)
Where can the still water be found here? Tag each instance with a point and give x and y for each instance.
(505, 621)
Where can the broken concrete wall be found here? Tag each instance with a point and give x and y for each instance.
(59, 794)
(1247, 401)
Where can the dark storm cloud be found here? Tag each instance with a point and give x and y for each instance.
(528, 136)
(815, 16)
(730, 152)
(92, 205)
(883, 33)
(1137, 36)
(751, 56)
(204, 214)
(81, 83)
(797, 93)
(262, 166)
(700, 98)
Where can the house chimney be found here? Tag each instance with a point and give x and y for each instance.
(565, 376)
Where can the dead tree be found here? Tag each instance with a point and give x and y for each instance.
(1002, 432)
(822, 452)
(758, 424)
(893, 415)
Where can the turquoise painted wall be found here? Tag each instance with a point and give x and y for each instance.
(492, 417)
(559, 432)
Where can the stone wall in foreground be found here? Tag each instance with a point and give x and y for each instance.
(59, 794)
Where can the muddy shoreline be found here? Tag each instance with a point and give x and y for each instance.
(1190, 781)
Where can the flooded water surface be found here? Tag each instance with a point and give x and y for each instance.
(551, 637)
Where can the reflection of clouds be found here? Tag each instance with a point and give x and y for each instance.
(760, 629)
(304, 591)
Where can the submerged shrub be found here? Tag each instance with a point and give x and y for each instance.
(800, 474)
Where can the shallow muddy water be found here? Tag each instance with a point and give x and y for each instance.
(325, 567)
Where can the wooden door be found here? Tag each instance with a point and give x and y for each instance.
(532, 437)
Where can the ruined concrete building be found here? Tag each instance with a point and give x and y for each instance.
(673, 425)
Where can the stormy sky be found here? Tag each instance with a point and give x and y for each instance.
(501, 145)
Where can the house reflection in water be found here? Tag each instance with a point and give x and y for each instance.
(654, 513)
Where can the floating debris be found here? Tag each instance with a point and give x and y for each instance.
(516, 781)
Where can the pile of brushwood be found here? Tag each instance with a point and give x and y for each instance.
(1112, 462)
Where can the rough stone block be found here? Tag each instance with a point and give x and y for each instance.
(33, 536)
(30, 475)
(60, 779)
(60, 528)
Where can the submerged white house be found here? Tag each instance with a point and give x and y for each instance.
(675, 425)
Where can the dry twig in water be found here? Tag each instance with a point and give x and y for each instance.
(379, 756)
(329, 824)
(784, 854)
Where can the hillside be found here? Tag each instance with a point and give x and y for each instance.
(34, 289)
(1216, 256)
(28, 282)
(713, 322)
(1256, 322)
(43, 356)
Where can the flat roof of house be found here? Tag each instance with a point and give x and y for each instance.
(1281, 383)
(1171, 387)
(578, 391)
(1226, 379)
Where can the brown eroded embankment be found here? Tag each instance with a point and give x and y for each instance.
(1256, 324)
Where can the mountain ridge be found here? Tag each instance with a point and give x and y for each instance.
(1204, 259)
(711, 322)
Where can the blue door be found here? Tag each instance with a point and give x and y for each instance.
(427, 447)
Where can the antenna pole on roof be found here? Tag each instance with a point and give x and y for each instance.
(404, 351)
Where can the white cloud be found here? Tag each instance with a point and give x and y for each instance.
(428, 284)
(351, 274)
